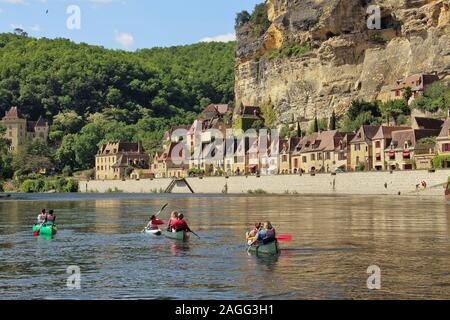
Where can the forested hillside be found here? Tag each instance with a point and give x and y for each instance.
(91, 94)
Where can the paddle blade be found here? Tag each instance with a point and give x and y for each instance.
(285, 237)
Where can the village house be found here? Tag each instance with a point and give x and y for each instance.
(284, 157)
(172, 162)
(407, 148)
(361, 151)
(19, 129)
(416, 82)
(268, 157)
(116, 160)
(248, 115)
(215, 111)
(342, 152)
(380, 142)
(443, 142)
(240, 163)
(323, 152)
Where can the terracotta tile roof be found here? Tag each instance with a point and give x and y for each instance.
(385, 132)
(215, 110)
(12, 113)
(121, 147)
(445, 131)
(410, 137)
(365, 134)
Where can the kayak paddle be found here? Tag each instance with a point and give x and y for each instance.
(38, 231)
(159, 212)
(284, 237)
(195, 234)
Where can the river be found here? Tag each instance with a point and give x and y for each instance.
(335, 240)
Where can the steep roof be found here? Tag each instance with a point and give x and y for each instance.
(365, 134)
(445, 131)
(411, 136)
(385, 132)
(11, 113)
(215, 110)
(428, 123)
(121, 147)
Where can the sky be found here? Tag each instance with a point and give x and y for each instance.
(125, 24)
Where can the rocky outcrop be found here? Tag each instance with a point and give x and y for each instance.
(348, 60)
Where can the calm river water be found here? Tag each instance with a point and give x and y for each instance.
(335, 240)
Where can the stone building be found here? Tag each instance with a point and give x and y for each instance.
(407, 150)
(114, 159)
(361, 150)
(19, 129)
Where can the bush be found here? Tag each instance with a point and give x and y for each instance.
(438, 161)
(67, 171)
(71, 186)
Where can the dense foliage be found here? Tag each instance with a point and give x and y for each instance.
(91, 95)
(258, 21)
(435, 98)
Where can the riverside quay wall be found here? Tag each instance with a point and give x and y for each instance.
(421, 183)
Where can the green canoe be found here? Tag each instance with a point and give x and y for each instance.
(265, 249)
(46, 229)
(178, 236)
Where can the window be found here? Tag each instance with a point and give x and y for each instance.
(446, 147)
(313, 157)
(284, 158)
(304, 160)
(378, 144)
(319, 156)
(357, 147)
(397, 93)
(295, 162)
(328, 156)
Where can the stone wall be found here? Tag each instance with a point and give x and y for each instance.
(373, 183)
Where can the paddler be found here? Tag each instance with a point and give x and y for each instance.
(251, 235)
(50, 217)
(154, 223)
(266, 235)
(41, 217)
(173, 218)
(180, 224)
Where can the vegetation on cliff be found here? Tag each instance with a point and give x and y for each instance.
(258, 21)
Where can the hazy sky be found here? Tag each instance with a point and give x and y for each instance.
(125, 24)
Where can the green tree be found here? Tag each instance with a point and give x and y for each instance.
(333, 121)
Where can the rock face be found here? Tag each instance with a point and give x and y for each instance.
(348, 60)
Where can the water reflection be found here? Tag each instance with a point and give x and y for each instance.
(335, 239)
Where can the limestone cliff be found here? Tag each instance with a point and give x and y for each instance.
(346, 61)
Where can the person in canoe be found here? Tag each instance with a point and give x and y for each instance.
(180, 224)
(154, 223)
(42, 217)
(50, 217)
(251, 235)
(173, 218)
(266, 235)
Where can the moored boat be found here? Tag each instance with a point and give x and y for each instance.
(154, 232)
(45, 229)
(271, 248)
(178, 236)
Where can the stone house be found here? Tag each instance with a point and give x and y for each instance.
(417, 82)
(443, 142)
(19, 129)
(406, 149)
(115, 158)
(380, 142)
(361, 151)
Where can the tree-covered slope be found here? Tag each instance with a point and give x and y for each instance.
(44, 77)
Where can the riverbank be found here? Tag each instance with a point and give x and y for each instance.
(356, 183)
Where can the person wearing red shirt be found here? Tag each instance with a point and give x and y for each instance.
(154, 223)
(180, 224)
